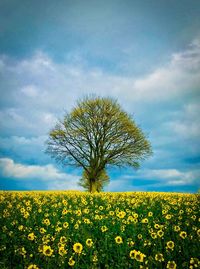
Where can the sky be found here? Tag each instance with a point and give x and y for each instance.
(145, 54)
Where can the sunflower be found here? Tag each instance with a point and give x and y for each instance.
(31, 236)
(160, 233)
(71, 262)
(177, 228)
(89, 242)
(183, 234)
(42, 230)
(132, 254)
(47, 250)
(78, 247)
(139, 256)
(118, 240)
(62, 251)
(139, 236)
(65, 225)
(95, 258)
(170, 245)
(194, 263)
(32, 266)
(154, 235)
(171, 265)
(46, 222)
(144, 220)
(63, 239)
(198, 232)
(104, 229)
(150, 214)
(121, 214)
(159, 257)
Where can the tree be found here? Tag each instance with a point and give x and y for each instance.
(97, 134)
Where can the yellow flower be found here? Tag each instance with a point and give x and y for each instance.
(139, 236)
(135, 215)
(71, 262)
(160, 233)
(171, 265)
(31, 236)
(132, 254)
(154, 235)
(64, 212)
(22, 251)
(95, 259)
(76, 226)
(144, 220)
(137, 255)
(63, 239)
(121, 214)
(46, 222)
(104, 229)
(42, 230)
(159, 257)
(170, 245)
(21, 227)
(177, 228)
(111, 213)
(131, 242)
(65, 225)
(33, 266)
(198, 232)
(194, 263)
(62, 251)
(89, 242)
(118, 240)
(183, 234)
(47, 250)
(78, 247)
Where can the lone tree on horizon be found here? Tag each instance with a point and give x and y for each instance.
(96, 134)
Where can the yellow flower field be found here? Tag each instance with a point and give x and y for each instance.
(43, 230)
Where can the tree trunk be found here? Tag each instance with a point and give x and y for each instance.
(92, 185)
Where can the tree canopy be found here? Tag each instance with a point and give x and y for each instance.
(96, 134)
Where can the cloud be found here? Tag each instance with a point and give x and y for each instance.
(180, 76)
(30, 91)
(48, 173)
(156, 180)
(187, 123)
(31, 88)
(169, 176)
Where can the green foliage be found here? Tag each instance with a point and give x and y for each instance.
(99, 183)
(97, 134)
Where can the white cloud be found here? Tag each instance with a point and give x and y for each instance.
(48, 173)
(38, 86)
(57, 86)
(30, 91)
(180, 76)
(153, 179)
(169, 176)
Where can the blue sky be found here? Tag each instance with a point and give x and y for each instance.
(144, 53)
